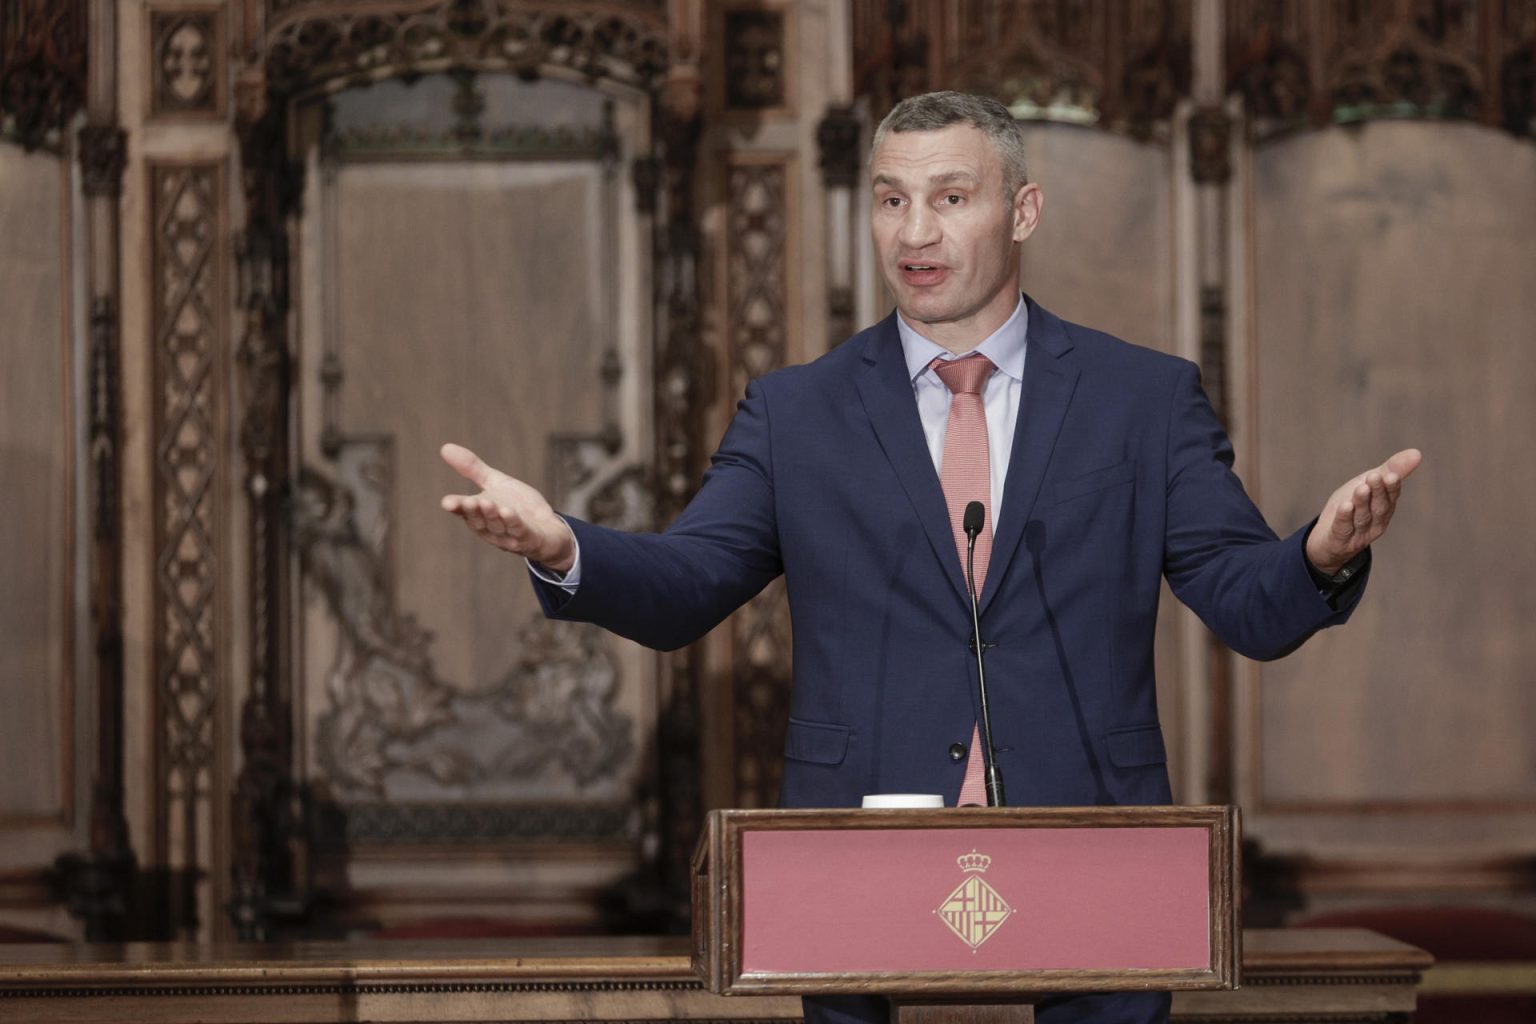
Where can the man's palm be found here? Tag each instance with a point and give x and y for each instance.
(508, 513)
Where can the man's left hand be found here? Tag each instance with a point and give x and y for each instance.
(1357, 513)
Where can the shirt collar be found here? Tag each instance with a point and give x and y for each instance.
(1004, 346)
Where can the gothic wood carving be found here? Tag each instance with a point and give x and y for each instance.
(1210, 141)
(261, 820)
(1118, 64)
(188, 337)
(96, 884)
(391, 716)
(684, 371)
(837, 142)
(186, 61)
(43, 47)
(315, 45)
(755, 58)
(333, 45)
(757, 313)
(1314, 62)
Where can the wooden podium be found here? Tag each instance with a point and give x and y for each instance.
(967, 914)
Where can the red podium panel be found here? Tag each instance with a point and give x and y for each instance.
(969, 901)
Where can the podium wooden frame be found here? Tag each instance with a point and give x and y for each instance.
(718, 922)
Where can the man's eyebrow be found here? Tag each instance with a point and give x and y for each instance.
(952, 177)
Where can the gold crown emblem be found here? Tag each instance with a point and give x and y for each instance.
(973, 861)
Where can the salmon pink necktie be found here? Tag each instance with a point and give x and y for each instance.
(966, 476)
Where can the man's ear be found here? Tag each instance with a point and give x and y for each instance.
(1027, 202)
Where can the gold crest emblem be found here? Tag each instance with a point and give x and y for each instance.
(974, 911)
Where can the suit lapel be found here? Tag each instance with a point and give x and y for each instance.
(1049, 381)
(886, 392)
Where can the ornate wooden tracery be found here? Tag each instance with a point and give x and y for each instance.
(325, 46)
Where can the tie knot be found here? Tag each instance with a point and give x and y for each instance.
(964, 376)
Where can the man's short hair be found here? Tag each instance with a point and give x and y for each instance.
(934, 110)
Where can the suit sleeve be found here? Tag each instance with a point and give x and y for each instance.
(667, 590)
(1221, 558)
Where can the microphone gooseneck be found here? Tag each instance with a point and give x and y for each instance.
(973, 522)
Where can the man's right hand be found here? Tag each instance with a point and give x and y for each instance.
(508, 513)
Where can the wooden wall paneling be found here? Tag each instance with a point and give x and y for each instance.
(1419, 709)
(39, 595)
(312, 49)
(1380, 762)
(472, 270)
(760, 320)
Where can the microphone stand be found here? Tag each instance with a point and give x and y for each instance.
(994, 776)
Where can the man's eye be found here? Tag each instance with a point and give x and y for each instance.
(952, 200)
(891, 201)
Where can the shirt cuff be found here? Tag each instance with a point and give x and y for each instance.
(572, 577)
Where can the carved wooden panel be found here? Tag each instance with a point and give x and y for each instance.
(472, 264)
(1394, 307)
(42, 68)
(753, 41)
(758, 316)
(189, 334)
(187, 61)
(1314, 61)
(1117, 64)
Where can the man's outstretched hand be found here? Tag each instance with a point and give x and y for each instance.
(508, 513)
(1357, 513)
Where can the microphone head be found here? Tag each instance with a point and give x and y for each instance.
(975, 516)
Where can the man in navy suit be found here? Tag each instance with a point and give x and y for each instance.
(1101, 468)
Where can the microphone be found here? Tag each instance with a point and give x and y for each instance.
(972, 523)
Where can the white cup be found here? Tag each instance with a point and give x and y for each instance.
(888, 800)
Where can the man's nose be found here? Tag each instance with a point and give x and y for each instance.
(919, 228)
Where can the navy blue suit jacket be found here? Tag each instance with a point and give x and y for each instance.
(1120, 474)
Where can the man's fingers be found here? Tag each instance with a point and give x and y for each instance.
(1381, 503)
(466, 463)
(474, 515)
(1361, 518)
(1343, 526)
(1403, 463)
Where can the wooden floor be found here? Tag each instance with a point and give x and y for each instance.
(1298, 975)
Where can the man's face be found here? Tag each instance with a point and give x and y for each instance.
(946, 235)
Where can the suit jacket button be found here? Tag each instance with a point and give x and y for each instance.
(957, 751)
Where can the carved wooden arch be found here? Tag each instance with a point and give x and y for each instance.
(311, 48)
